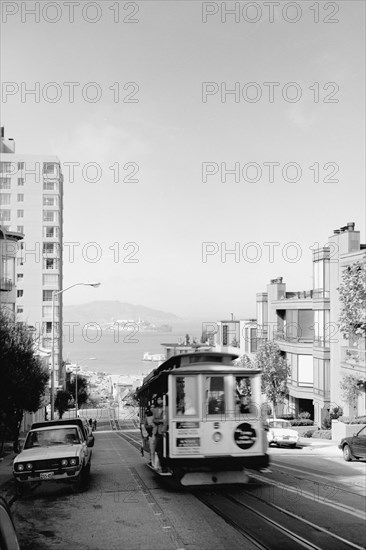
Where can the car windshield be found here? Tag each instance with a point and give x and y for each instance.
(48, 437)
(279, 424)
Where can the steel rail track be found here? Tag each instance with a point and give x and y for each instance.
(281, 537)
(275, 532)
(306, 494)
(275, 466)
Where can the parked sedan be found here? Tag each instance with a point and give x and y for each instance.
(354, 446)
(54, 453)
(280, 433)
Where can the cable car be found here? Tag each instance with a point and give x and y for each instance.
(213, 422)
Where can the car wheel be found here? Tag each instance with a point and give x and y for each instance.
(347, 455)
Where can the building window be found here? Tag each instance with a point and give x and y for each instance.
(5, 198)
(20, 213)
(49, 186)
(253, 340)
(225, 335)
(49, 248)
(305, 370)
(20, 293)
(20, 228)
(47, 311)
(50, 200)
(321, 276)
(5, 183)
(50, 263)
(5, 215)
(8, 268)
(20, 166)
(47, 295)
(48, 327)
(19, 309)
(50, 279)
(20, 197)
(50, 169)
(20, 276)
(6, 167)
(49, 231)
(50, 216)
(20, 182)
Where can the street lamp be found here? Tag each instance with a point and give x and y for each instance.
(54, 294)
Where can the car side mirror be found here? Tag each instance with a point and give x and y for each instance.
(90, 442)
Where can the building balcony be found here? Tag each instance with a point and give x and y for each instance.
(6, 285)
(354, 357)
(300, 295)
(281, 335)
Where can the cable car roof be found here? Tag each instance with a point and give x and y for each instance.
(211, 361)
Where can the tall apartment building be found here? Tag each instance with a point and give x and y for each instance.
(31, 202)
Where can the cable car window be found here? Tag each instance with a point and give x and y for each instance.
(215, 394)
(243, 395)
(186, 395)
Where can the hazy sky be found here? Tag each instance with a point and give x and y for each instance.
(166, 123)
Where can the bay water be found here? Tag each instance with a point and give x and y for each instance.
(122, 352)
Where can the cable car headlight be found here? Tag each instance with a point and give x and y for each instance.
(217, 436)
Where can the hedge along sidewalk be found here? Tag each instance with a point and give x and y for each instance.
(7, 482)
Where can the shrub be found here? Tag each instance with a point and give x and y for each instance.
(322, 434)
(304, 415)
(334, 414)
(318, 434)
(302, 422)
(309, 433)
(349, 420)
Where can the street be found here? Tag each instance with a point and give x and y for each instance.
(127, 507)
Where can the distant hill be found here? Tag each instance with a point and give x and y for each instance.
(109, 311)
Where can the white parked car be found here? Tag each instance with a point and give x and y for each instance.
(54, 453)
(281, 433)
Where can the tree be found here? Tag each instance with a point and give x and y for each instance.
(244, 362)
(62, 402)
(350, 392)
(352, 295)
(83, 389)
(275, 372)
(23, 377)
